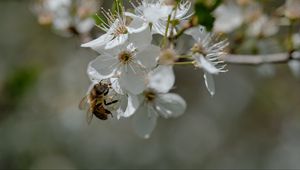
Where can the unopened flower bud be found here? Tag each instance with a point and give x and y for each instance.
(292, 9)
(45, 19)
(167, 57)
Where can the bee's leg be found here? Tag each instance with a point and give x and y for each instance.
(109, 103)
(106, 92)
(109, 113)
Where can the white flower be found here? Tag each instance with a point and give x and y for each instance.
(156, 13)
(67, 17)
(117, 108)
(229, 16)
(262, 26)
(155, 102)
(207, 53)
(130, 63)
(117, 30)
(58, 4)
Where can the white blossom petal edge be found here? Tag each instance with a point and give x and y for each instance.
(207, 53)
(156, 13)
(155, 102)
(117, 31)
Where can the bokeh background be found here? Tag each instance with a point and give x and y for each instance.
(253, 121)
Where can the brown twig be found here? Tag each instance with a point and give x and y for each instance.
(261, 59)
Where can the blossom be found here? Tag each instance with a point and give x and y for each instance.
(156, 13)
(229, 16)
(207, 53)
(129, 62)
(262, 26)
(155, 101)
(117, 108)
(67, 17)
(117, 30)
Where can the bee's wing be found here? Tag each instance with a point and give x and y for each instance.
(83, 105)
(89, 116)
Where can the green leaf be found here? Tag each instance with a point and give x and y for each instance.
(20, 81)
(203, 12)
(117, 7)
(209, 4)
(99, 19)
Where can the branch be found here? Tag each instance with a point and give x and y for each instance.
(261, 59)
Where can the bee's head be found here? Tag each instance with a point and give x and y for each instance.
(100, 88)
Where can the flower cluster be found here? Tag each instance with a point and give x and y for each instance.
(140, 72)
(244, 12)
(255, 28)
(67, 17)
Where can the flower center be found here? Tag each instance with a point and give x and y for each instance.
(125, 57)
(121, 29)
(115, 21)
(149, 96)
(198, 48)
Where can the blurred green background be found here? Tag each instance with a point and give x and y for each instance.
(253, 121)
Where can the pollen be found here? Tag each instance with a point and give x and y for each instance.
(199, 48)
(125, 57)
(150, 96)
(121, 29)
(168, 57)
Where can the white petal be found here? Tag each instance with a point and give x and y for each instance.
(223, 12)
(148, 57)
(131, 15)
(206, 65)
(119, 40)
(141, 39)
(55, 5)
(137, 28)
(123, 103)
(154, 13)
(160, 28)
(295, 67)
(182, 9)
(162, 79)
(296, 54)
(137, 24)
(170, 105)
(84, 26)
(105, 65)
(196, 32)
(93, 74)
(132, 105)
(98, 43)
(116, 85)
(210, 83)
(143, 121)
(132, 79)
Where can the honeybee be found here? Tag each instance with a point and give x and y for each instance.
(96, 100)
